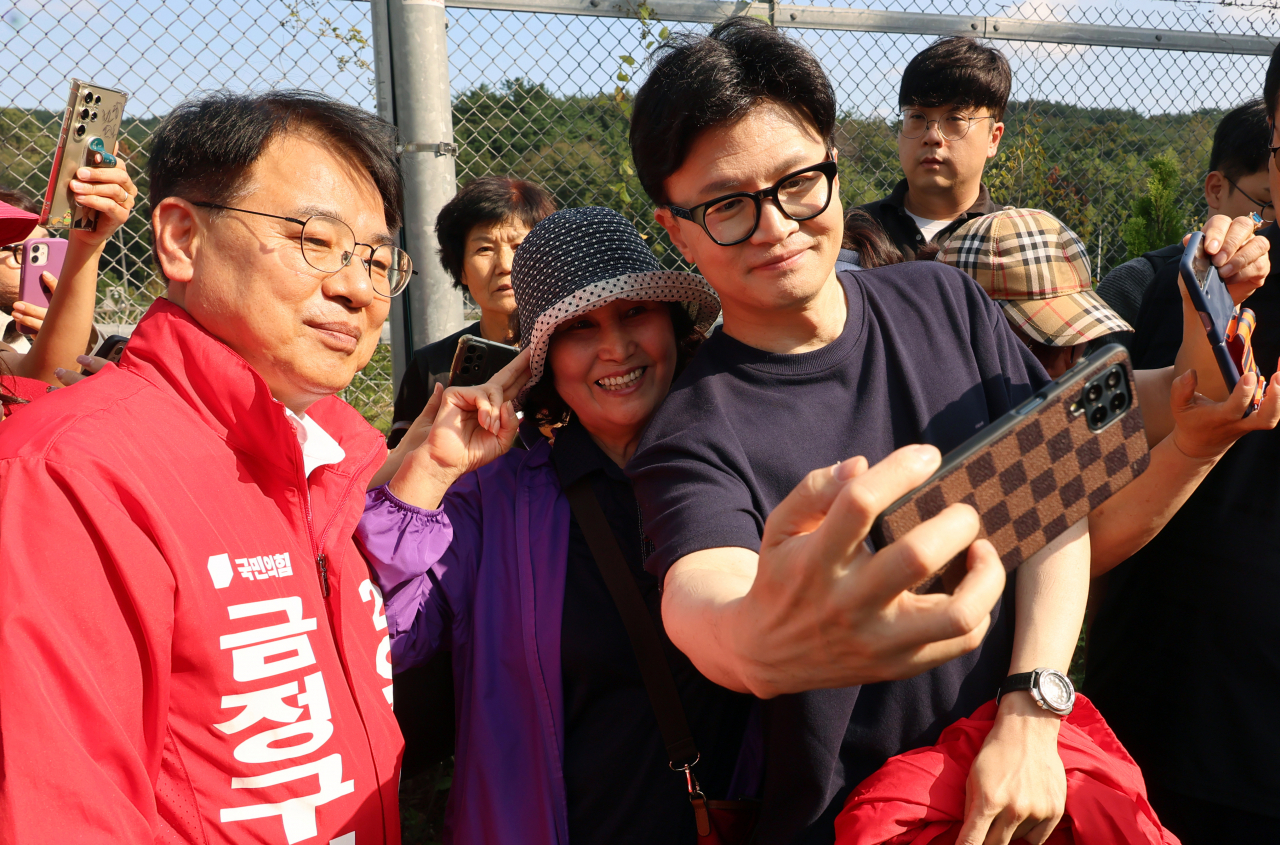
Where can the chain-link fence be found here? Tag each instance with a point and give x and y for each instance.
(546, 96)
(160, 53)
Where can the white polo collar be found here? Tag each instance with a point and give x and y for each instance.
(318, 447)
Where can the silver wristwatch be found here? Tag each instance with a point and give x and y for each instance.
(1049, 688)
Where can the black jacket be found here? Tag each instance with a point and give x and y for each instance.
(891, 214)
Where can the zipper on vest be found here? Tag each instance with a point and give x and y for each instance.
(323, 563)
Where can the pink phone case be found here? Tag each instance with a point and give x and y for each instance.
(39, 255)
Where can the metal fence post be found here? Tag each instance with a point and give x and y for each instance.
(419, 70)
(385, 101)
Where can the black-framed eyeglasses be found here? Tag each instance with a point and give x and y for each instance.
(913, 124)
(328, 244)
(733, 218)
(14, 252)
(1268, 210)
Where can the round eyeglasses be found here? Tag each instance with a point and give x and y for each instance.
(733, 218)
(328, 245)
(912, 124)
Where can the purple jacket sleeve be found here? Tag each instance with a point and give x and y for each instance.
(411, 552)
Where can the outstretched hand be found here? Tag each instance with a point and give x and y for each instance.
(461, 430)
(835, 613)
(1206, 429)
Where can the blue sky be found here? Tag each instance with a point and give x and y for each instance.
(161, 52)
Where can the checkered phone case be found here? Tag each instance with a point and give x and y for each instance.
(1035, 472)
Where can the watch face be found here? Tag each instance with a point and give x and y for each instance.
(1056, 690)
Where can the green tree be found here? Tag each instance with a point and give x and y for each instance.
(1156, 217)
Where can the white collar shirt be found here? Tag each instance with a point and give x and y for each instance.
(318, 446)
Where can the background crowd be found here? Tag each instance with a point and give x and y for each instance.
(642, 610)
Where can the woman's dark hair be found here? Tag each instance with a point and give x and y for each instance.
(1240, 142)
(867, 237)
(957, 71)
(488, 200)
(699, 82)
(17, 199)
(205, 148)
(543, 403)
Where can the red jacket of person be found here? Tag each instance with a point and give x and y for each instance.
(918, 798)
(170, 668)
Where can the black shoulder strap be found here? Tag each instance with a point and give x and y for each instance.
(643, 634)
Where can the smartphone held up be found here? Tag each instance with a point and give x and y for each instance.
(90, 130)
(1037, 470)
(39, 256)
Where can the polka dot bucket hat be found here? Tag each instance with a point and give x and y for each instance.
(579, 259)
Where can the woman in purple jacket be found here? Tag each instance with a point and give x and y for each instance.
(557, 739)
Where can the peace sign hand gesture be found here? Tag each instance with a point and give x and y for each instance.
(470, 426)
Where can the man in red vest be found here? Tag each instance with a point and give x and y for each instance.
(192, 648)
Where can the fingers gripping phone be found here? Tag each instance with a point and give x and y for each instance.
(39, 255)
(477, 360)
(90, 129)
(111, 349)
(1037, 470)
(1228, 327)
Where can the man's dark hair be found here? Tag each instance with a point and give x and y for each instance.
(1240, 141)
(204, 149)
(1271, 87)
(957, 71)
(544, 404)
(488, 200)
(699, 82)
(18, 199)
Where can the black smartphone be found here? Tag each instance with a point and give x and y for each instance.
(477, 360)
(1213, 303)
(112, 348)
(1040, 468)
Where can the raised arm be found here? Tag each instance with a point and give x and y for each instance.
(68, 323)
(815, 608)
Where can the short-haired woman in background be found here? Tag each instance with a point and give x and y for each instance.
(478, 232)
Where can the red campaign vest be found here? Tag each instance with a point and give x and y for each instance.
(173, 670)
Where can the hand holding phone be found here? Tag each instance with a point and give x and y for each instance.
(1229, 328)
(477, 360)
(39, 256)
(1040, 468)
(90, 130)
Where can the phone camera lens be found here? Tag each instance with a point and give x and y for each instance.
(97, 101)
(1098, 416)
(88, 97)
(80, 131)
(93, 115)
(1113, 380)
(1094, 393)
(84, 114)
(1119, 402)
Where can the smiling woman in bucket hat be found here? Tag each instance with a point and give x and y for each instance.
(557, 736)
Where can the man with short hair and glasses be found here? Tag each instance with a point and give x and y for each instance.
(950, 121)
(823, 398)
(1194, 612)
(193, 647)
(1144, 291)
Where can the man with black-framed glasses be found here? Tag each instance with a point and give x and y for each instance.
(949, 125)
(194, 649)
(824, 397)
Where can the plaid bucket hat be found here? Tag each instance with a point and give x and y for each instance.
(579, 259)
(1038, 271)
